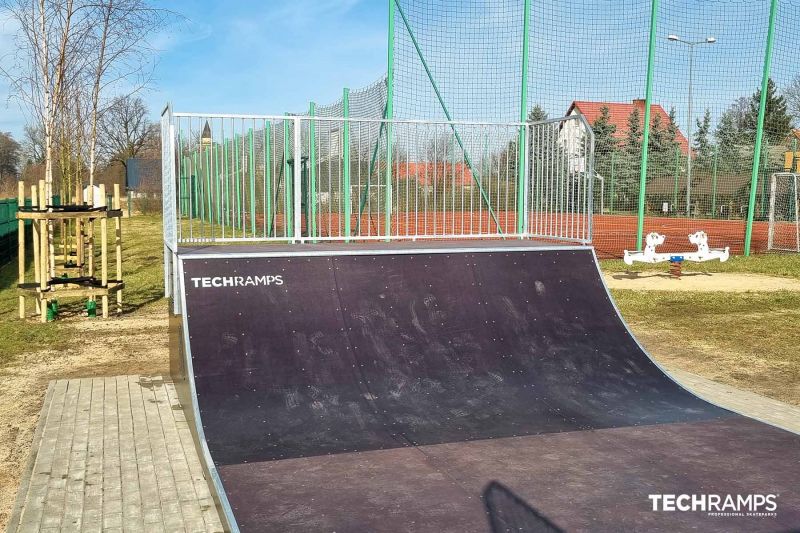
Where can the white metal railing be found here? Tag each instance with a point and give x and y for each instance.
(263, 178)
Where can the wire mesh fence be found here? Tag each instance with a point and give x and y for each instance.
(466, 59)
(714, 140)
(323, 178)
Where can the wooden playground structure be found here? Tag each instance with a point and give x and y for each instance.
(65, 253)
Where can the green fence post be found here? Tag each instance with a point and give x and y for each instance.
(522, 147)
(252, 184)
(217, 180)
(198, 200)
(208, 188)
(267, 179)
(677, 173)
(237, 220)
(287, 182)
(611, 187)
(714, 183)
(651, 56)
(346, 163)
(751, 206)
(226, 204)
(389, 117)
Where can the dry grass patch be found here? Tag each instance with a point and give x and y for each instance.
(747, 340)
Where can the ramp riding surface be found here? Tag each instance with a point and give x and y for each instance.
(395, 388)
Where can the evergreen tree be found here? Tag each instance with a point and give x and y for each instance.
(672, 127)
(633, 137)
(627, 186)
(701, 143)
(605, 144)
(659, 139)
(734, 141)
(604, 130)
(660, 148)
(537, 114)
(777, 121)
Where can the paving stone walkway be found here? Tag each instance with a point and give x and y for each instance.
(113, 454)
(116, 454)
(767, 410)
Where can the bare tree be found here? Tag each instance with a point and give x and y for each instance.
(123, 55)
(124, 129)
(52, 34)
(70, 55)
(33, 145)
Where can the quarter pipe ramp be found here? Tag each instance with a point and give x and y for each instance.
(489, 386)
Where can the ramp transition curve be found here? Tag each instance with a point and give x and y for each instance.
(489, 387)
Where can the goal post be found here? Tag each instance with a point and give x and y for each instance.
(784, 220)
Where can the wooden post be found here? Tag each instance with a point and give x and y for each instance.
(37, 264)
(51, 236)
(44, 241)
(62, 226)
(89, 227)
(104, 250)
(80, 244)
(21, 244)
(118, 244)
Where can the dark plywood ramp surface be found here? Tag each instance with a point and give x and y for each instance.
(386, 391)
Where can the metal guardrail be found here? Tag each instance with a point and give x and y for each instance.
(264, 178)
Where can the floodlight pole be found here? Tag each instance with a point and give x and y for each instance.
(691, 45)
(651, 54)
(762, 107)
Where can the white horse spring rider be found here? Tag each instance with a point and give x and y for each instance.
(698, 238)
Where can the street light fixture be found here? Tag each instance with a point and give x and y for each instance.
(691, 45)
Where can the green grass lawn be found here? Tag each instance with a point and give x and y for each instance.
(749, 340)
(142, 272)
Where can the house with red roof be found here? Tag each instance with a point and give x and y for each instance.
(432, 173)
(618, 115)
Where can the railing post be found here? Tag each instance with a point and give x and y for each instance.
(312, 171)
(252, 165)
(297, 178)
(526, 184)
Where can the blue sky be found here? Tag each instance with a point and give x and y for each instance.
(275, 56)
(252, 57)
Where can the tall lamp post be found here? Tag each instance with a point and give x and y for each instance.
(691, 45)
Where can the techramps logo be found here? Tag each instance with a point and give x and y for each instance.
(744, 505)
(211, 282)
